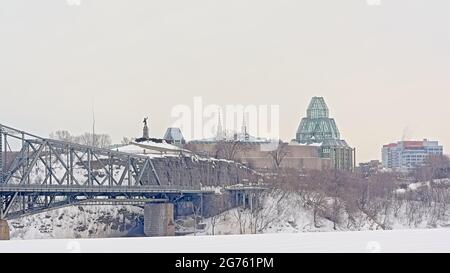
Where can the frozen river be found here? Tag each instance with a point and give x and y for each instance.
(430, 240)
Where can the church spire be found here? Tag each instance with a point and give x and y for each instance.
(244, 132)
(220, 133)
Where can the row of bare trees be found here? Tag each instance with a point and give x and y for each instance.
(267, 207)
(96, 140)
(350, 200)
(229, 150)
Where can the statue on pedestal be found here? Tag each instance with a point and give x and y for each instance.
(146, 134)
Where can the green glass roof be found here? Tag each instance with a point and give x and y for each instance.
(317, 127)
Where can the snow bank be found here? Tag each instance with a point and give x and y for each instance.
(77, 222)
(412, 241)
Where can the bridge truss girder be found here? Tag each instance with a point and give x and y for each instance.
(21, 204)
(66, 165)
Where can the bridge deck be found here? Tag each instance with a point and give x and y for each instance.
(101, 189)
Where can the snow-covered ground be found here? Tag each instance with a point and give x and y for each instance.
(280, 213)
(431, 240)
(288, 213)
(77, 222)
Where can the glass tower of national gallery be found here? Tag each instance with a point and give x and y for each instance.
(318, 128)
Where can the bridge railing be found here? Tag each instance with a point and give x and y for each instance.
(24, 189)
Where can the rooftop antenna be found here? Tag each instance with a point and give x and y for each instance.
(93, 123)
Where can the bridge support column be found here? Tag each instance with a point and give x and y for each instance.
(159, 220)
(4, 230)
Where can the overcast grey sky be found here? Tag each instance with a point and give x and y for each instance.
(383, 70)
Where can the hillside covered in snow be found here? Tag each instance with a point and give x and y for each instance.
(291, 213)
(279, 212)
(79, 222)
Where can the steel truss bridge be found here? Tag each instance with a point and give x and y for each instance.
(46, 174)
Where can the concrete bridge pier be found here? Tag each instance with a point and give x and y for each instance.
(159, 220)
(243, 199)
(4, 230)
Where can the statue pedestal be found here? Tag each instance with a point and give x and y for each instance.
(4, 230)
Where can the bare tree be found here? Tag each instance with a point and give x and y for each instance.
(103, 141)
(311, 188)
(126, 140)
(263, 213)
(434, 167)
(338, 183)
(230, 150)
(214, 220)
(239, 215)
(279, 154)
(62, 135)
(196, 212)
(97, 140)
(317, 202)
(219, 206)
